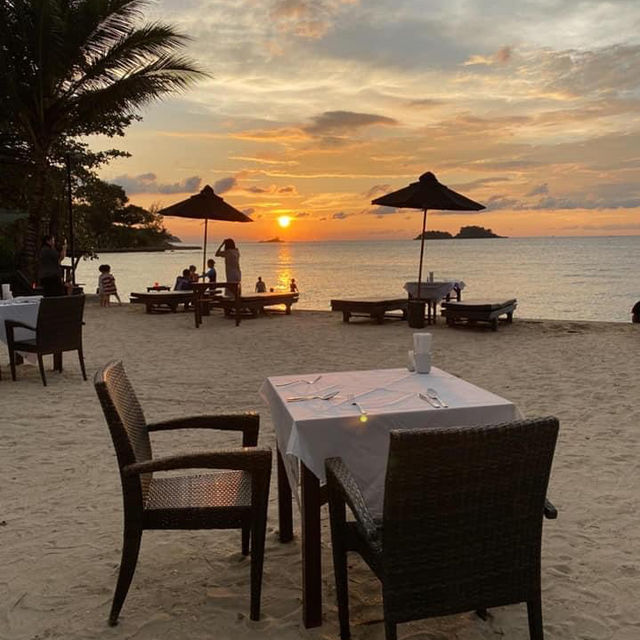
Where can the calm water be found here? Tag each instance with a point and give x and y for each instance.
(559, 278)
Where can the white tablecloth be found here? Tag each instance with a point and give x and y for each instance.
(22, 310)
(313, 430)
(437, 290)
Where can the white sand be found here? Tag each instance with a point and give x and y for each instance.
(61, 507)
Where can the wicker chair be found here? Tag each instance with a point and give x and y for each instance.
(232, 499)
(462, 522)
(58, 329)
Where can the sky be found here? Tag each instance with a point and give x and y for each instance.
(315, 107)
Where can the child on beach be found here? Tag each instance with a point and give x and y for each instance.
(293, 287)
(107, 286)
(261, 287)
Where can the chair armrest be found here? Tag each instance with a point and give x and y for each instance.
(11, 324)
(248, 423)
(246, 459)
(550, 511)
(340, 480)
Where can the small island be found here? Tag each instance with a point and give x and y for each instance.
(465, 232)
(276, 239)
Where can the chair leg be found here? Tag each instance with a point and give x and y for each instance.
(390, 630)
(41, 367)
(246, 535)
(258, 532)
(130, 550)
(338, 522)
(81, 358)
(12, 363)
(534, 611)
(57, 362)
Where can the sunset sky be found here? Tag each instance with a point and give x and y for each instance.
(315, 107)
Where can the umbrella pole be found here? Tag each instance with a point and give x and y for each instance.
(424, 227)
(204, 253)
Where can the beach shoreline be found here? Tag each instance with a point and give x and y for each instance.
(62, 514)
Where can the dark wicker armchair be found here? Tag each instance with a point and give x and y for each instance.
(235, 498)
(462, 522)
(58, 329)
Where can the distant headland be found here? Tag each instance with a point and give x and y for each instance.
(276, 239)
(465, 232)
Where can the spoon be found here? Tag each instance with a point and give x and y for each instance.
(325, 396)
(363, 413)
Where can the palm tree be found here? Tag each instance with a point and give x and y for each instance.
(73, 68)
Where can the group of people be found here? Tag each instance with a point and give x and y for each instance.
(231, 255)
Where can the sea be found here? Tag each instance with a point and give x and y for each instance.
(563, 278)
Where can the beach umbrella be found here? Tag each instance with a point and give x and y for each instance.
(427, 194)
(206, 206)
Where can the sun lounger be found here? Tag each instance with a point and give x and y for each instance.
(170, 299)
(375, 308)
(479, 311)
(256, 303)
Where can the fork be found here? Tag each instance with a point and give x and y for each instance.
(325, 396)
(428, 399)
(433, 394)
(285, 384)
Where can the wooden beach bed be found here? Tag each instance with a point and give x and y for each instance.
(375, 308)
(479, 311)
(154, 300)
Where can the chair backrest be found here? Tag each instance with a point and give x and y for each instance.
(59, 325)
(463, 511)
(126, 422)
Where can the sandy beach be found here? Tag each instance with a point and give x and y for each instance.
(61, 511)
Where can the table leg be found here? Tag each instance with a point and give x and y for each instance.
(311, 561)
(285, 514)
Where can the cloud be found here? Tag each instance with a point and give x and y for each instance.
(310, 19)
(224, 184)
(303, 214)
(341, 215)
(287, 190)
(341, 122)
(148, 183)
(541, 189)
(501, 56)
(377, 190)
(381, 211)
(421, 103)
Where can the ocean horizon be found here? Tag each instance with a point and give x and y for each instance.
(553, 277)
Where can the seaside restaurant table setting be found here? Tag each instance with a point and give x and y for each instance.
(350, 414)
(433, 291)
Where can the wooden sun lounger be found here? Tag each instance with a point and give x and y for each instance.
(207, 295)
(479, 311)
(256, 303)
(154, 300)
(375, 308)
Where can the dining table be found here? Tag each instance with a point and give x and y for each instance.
(21, 309)
(350, 414)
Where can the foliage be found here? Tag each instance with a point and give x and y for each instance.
(72, 69)
(474, 231)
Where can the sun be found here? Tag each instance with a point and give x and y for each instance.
(284, 221)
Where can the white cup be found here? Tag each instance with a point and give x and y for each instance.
(411, 363)
(6, 292)
(422, 362)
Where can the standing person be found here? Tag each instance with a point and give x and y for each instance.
(107, 286)
(231, 257)
(210, 273)
(261, 287)
(293, 287)
(49, 270)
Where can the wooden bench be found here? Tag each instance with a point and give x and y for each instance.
(479, 311)
(170, 299)
(375, 308)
